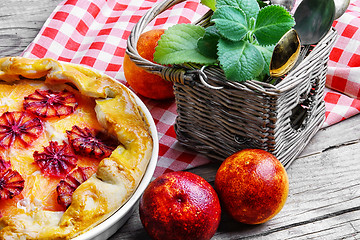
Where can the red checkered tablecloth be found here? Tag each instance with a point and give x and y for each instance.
(343, 78)
(94, 33)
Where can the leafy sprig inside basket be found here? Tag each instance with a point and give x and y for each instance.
(241, 39)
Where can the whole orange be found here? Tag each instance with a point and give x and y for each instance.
(252, 185)
(145, 83)
(180, 206)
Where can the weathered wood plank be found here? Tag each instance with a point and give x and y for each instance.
(20, 22)
(343, 133)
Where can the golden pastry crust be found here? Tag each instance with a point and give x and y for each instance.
(117, 176)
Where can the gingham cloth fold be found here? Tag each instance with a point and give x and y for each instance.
(94, 33)
(343, 79)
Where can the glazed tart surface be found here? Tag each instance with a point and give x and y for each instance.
(74, 146)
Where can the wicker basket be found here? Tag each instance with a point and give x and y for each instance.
(218, 117)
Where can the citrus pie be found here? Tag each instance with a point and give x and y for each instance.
(73, 147)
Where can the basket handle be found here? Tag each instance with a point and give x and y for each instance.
(172, 74)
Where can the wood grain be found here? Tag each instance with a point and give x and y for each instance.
(324, 197)
(20, 22)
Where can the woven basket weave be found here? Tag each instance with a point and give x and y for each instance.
(218, 117)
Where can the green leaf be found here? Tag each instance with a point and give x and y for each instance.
(250, 7)
(240, 61)
(266, 52)
(178, 45)
(231, 22)
(207, 45)
(272, 23)
(241, 41)
(209, 3)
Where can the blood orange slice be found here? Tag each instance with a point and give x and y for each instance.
(67, 186)
(47, 103)
(56, 160)
(85, 142)
(19, 129)
(11, 184)
(4, 164)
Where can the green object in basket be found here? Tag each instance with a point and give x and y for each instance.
(178, 43)
(209, 3)
(241, 40)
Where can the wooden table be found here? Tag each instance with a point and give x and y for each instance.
(324, 197)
